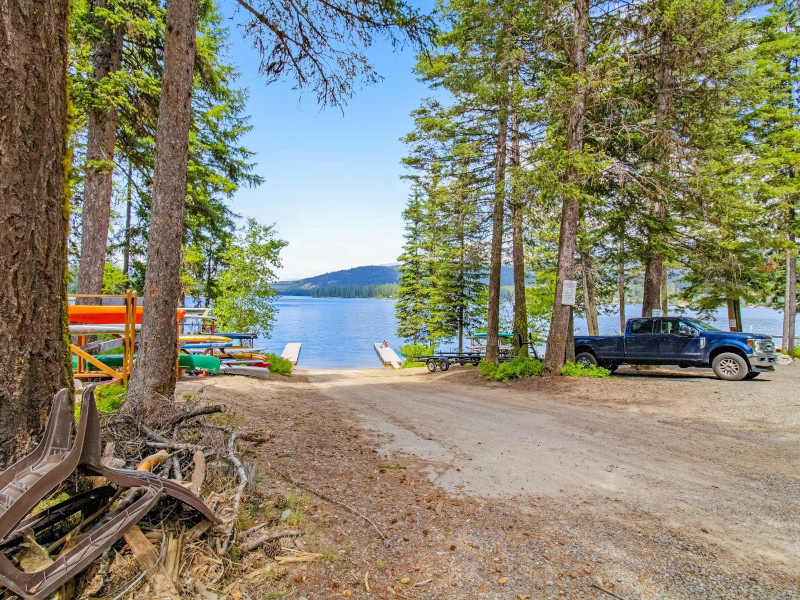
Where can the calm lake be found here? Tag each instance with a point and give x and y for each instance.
(339, 333)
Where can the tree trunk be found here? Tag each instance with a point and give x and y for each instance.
(34, 213)
(735, 314)
(126, 260)
(664, 292)
(496, 253)
(622, 288)
(155, 371)
(98, 185)
(520, 328)
(790, 305)
(653, 271)
(589, 298)
(654, 261)
(561, 321)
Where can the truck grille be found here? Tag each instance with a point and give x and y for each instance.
(765, 346)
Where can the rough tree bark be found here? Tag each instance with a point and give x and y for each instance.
(790, 306)
(654, 260)
(498, 214)
(621, 289)
(589, 296)
(154, 374)
(97, 188)
(520, 327)
(34, 207)
(561, 321)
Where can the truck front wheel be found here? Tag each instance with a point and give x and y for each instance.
(585, 359)
(730, 366)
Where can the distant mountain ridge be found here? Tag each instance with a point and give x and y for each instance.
(358, 277)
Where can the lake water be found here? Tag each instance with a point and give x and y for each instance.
(339, 333)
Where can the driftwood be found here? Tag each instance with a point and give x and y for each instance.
(199, 473)
(148, 560)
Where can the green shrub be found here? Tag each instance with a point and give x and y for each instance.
(574, 370)
(109, 399)
(278, 364)
(410, 351)
(520, 366)
(487, 369)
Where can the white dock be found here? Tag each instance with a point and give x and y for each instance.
(291, 352)
(387, 355)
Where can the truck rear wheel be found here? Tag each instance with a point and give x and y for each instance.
(730, 366)
(431, 365)
(585, 359)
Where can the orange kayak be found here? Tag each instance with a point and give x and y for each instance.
(105, 315)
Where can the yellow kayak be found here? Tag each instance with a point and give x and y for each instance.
(203, 338)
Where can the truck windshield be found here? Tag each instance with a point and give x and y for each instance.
(701, 325)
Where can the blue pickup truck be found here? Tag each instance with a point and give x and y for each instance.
(680, 341)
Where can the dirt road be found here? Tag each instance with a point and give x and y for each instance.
(692, 451)
(649, 485)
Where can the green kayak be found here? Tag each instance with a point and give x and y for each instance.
(190, 362)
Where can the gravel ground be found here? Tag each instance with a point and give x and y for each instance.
(651, 485)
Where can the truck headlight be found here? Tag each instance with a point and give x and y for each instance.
(761, 346)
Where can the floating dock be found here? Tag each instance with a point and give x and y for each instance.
(387, 355)
(291, 352)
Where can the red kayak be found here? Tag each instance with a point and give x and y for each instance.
(106, 315)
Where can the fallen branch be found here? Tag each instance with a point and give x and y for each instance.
(299, 557)
(237, 497)
(251, 545)
(609, 592)
(332, 501)
(197, 412)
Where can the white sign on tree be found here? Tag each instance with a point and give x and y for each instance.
(569, 291)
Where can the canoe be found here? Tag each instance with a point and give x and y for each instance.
(257, 372)
(92, 329)
(103, 315)
(190, 362)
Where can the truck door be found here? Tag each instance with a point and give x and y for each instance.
(679, 348)
(641, 343)
(670, 343)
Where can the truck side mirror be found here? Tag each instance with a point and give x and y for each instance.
(687, 331)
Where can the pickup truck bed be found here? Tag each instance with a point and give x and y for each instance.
(680, 341)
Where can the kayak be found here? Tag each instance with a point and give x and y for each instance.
(239, 336)
(102, 315)
(104, 328)
(190, 362)
(206, 346)
(204, 337)
(257, 372)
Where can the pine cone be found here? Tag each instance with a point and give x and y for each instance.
(281, 502)
(272, 550)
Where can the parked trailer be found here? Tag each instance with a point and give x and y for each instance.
(476, 353)
(443, 360)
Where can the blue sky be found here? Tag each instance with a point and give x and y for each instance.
(332, 179)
